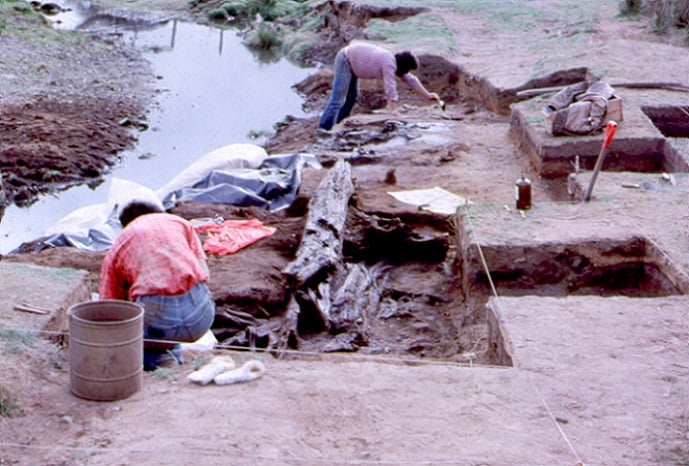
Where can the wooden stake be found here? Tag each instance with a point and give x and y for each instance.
(31, 309)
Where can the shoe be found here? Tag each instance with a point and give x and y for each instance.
(167, 362)
(169, 358)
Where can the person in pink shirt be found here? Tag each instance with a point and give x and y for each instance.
(367, 61)
(158, 262)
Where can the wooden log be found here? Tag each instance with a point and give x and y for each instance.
(354, 300)
(320, 249)
(277, 334)
(287, 335)
(344, 301)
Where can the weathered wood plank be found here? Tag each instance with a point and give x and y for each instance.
(321, 244)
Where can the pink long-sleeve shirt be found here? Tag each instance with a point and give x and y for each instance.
(156, 254)
(370, 61)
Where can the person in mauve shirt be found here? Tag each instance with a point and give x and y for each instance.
(367, 61)
(158, 262)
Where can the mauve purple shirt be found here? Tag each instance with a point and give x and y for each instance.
(369, 61)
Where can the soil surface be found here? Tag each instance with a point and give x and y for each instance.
(70, 104)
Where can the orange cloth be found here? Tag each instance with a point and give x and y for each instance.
(232, 235)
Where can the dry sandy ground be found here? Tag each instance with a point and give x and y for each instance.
(386, 408)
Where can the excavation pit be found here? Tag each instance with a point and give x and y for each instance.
(570, 273)
(550, 252)
(673, 122)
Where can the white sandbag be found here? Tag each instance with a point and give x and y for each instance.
(80, 220)
(210, 371)
(250, 370)
(96, 226)
(122, 192)
(224, 158)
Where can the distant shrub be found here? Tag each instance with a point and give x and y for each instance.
(7, 402)
(665, 14)
(682, 13)
(274, 10)
(217, 14)
(267, 37)
(15, 5)
(269, 10)
(236, 8)
(631, 7)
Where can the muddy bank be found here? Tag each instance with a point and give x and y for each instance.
(69, 105)
(52, 145)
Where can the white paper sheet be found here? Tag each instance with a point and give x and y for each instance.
(435, 199)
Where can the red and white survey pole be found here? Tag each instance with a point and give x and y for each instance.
(610, 130)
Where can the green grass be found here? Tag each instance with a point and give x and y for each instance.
(199, 362)
(246, 10)
(13, 13)
(18, 18)
(165, 372)
(15, 5)
(267, 37)
(527, 19)
(296, 45)
(419, 30)
(18, 341)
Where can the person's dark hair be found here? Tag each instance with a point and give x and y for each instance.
(136, 209)
(406, 61)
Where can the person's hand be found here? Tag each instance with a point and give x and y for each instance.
(436, 97)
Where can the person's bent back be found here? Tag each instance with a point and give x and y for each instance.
(158, 261)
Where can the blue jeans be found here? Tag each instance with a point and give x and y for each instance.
(343, 95)
(185, 317)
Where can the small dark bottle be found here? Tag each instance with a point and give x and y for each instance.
(523, 193)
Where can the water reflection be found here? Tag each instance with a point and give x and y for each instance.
(215, 92)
